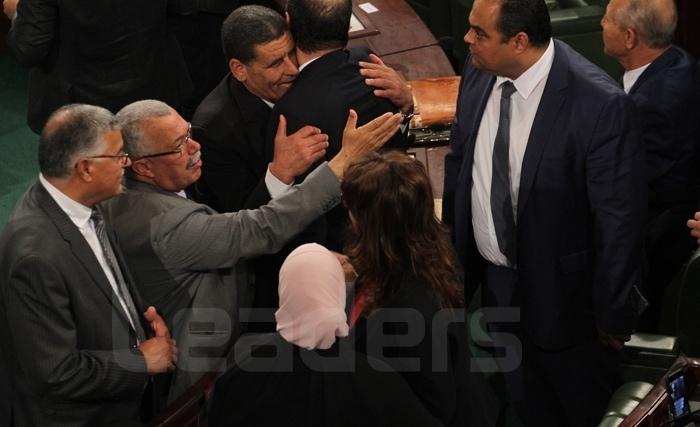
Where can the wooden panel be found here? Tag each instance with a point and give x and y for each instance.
(423, 63)
(400, 29)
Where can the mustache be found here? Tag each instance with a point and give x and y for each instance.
(194, 159)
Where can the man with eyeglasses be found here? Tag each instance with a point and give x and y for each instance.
(190, 260)
(77, 346)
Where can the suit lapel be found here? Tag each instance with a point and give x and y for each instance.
(79, 246)
(545, 119)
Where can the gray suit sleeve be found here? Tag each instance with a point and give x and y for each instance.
(33, 31)
(40, 308)
(195, 237)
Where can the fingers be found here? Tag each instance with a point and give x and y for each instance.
(150, 314)
(386, 127)
(697, 216)
(375, 59)
(351, 123)
(281, 128)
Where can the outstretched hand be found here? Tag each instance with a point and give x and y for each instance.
(388, 83)
(295, 153)
(358, 142)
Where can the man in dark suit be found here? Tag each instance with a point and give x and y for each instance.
(544, 191)
(75, 342)
(190, 260)
(664, 83)
(198, 32)
(108, 54)
(239, 171)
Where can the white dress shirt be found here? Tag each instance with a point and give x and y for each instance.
(80, 216)
(630, 77)
(524, 104)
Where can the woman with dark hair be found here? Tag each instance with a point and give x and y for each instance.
(409, 308)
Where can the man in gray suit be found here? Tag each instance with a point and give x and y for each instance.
(188, 258)
(75, 345)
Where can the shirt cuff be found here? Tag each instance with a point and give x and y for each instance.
(274, 186)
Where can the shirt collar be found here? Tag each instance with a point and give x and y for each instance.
(525, 84)
(78, 213)
(306, 64)
(630, 77)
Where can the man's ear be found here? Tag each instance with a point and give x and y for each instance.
(522, 42)
(631, 38)
(84, 170)
(238, 70)
(142, 167)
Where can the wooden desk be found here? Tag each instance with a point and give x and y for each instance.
(421, 63)
(403, 40)
(400, 28)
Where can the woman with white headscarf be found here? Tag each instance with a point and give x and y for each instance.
(304, 375)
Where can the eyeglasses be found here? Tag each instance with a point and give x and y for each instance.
(122, 157)
(177, 150)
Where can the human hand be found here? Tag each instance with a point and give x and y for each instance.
(616, 342)
(9, 7)
(158, 326)
(295, 153)
(348, 269)
(388, 83)
(694, 225)
(358, 142)
(160, 354)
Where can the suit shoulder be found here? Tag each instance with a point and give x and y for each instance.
(219, 103)
(585, 76)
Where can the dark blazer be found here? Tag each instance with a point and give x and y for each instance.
(230, 125)
(580, 205)
(68, 349)
(298, 387)
(428, 346)
(321, 96)
(108, 54)
(667, 96)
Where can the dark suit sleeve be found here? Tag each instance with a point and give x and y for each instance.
(32, 32)
(617, 195)
(453, 164)
(229, 175)
(39, 305)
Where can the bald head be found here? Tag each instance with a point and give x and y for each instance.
(654, 20)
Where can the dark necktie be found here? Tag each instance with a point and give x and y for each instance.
(124, 293)
(501, 203)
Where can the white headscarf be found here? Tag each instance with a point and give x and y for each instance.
(312, 298)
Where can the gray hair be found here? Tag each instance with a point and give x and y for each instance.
(654, 20)
(130, 119)
(71, 132)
